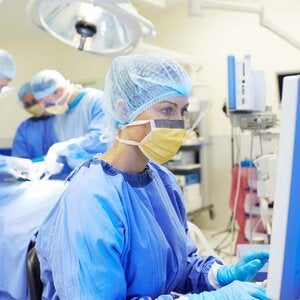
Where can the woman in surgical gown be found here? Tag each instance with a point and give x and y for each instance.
(119, 231)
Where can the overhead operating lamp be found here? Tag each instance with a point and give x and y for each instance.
(103, 27)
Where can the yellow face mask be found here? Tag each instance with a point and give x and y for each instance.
(37, 110)
(162, 142)
(57, 109)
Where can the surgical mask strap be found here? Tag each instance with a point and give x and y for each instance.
(139, 122)
(136, 123)
(67, 95)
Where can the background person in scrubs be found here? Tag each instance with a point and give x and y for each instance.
(78, 122)
(35, 135)
(7, 70)
(119, 231)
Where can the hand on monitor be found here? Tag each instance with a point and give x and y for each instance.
(245, 269)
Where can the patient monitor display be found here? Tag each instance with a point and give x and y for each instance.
(284, 265)
(246, 87)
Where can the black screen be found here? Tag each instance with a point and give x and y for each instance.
(280, 77)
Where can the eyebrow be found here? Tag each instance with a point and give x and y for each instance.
(175, 104)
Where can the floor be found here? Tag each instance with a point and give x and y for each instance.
(220, 244)
(223, 243)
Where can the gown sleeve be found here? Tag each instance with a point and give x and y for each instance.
(196, 278)
(90, 140)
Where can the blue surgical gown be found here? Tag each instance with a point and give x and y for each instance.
(83, 123)
(34, 137)
(115, 235)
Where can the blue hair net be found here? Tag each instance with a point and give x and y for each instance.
(140, 81)
(7, 65)
(24, 89)
(46, 82)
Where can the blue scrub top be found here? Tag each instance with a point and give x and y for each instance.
(115, 235)
(83, 123)
(34, 137)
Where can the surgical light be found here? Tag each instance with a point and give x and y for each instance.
(103, 27)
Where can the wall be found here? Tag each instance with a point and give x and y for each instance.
(209, 38)
(34, 50)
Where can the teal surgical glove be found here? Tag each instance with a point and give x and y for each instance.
(237, 290)
(245, 269)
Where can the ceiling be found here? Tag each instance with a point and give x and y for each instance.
(15, 24)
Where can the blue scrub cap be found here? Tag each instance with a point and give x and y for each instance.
(46, 82)
(140, 81)
(7, 65)
(24, 89)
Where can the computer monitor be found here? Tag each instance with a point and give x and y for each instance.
(283, 281)
(280, 77)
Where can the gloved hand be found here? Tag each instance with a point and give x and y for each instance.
(56, 150)
(245, 269)
(237, 290)
(52, 158)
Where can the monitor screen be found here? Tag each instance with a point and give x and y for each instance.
(283, 281)
(280, 77)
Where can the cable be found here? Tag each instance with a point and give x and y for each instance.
(256, 226)
(260, 142)
(251, 184)
(230, 227)
(235, 202)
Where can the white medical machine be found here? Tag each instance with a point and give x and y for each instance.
(247, 95)
(283, 280)
(247, 87)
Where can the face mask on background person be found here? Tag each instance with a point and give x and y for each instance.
(7, 72)
(60, 105)
(37, 110)
(162, 142)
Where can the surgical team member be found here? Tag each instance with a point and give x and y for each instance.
(7, 70)
(7, 73)
(119, 231)
(79, 117)
(35, 135)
